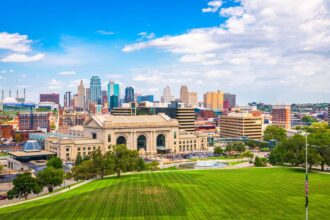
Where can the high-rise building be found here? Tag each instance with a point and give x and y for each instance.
(113, 94)
(193, 99)
(81, 96)
(129, 94)
(95, 89)
(236, 125)
(186, 119)
(75, 101)
(230, 98)
(281, 116)
(34, 121)
(145, 98)
(167, 98)
(214, 100)
(53, 97)
(104, 95)
(184, 95)
(67, 99)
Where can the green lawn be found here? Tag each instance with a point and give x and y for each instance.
(251, 193)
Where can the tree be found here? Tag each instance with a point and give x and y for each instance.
(260, 162)
(308, 119)
(319, 139)
(55, 162)
(18, 137)
(102, 163)
(84, 171)
(273, 132)
(1, 168)
(217, 151)
(235, 148)
(248, 154)
(50, 178)
(79, 159)
(154, 165)
(141, 165)
(123, 159)
(24, 184)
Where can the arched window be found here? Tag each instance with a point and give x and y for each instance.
(141, 142)
(161, 141)
(121, 140)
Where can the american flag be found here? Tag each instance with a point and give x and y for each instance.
(306, 191)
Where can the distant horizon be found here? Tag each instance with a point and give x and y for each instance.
(270, 51)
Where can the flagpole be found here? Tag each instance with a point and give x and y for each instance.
(306, 183)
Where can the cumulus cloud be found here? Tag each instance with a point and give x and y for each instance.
(145, 35)
(22, 58)
(55, 84)
(67, 73)
(259, 39)
(18, 45)
(213, 6)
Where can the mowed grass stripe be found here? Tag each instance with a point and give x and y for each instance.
(252, 193)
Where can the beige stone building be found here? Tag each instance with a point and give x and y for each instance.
(149, 134)
(235, 125)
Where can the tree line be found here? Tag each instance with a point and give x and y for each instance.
(117, 161)
(291, 150)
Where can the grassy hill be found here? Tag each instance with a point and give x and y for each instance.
(275, 193)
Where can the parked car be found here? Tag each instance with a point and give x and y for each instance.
(3, 196)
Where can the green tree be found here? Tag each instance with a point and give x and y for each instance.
(308, 119)
(154, 165)
(1, 168)
(123, 159)
(24, 184)
(273, 132)
(141, 165)
(86, 170)
(55, 162)
(79, 159)
(103, 164)
(218, 151)
(248, 154)
(319, 139)
(260, 162)
(50, 178)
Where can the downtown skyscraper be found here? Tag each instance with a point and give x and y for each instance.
(167, 98)
(81, 96)
(113, 94)
(95, 90)
(129, 94)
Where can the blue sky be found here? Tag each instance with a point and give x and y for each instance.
(261, 50)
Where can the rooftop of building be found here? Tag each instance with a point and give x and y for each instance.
(132, 120)
(75, 140)
(29, 154)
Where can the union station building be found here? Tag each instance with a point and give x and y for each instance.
(149, 134)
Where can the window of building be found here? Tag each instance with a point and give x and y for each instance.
(78, 148)
(84, 148)
(174, 134)
(84, 153)
(67, 154)
(89, 148)
(67, 149)
(94, 136)
(94, 148)
(109, 137)
(109, 147)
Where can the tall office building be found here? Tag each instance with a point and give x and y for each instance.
(67, 99)
(214, 100)
(236, 125)
(184, 95)
(95, 90)
(193, 99)
(145, 98)
(34, 121)
(81, 96)
(53, 97)
(129, 94)
(281, 116)
(104, 95)
(230, 98)
(167, 98)
(113, 94)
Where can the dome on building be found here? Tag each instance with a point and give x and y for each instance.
(29, 102)
(31, 145)
(9, 100)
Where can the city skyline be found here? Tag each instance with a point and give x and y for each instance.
(245, 49)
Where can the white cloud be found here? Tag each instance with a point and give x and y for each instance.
(15, 42)
(145, 35)
(22, 58)
(213, 6)
(67, 73)
(103, 32)
(267, 46)
(55, 84)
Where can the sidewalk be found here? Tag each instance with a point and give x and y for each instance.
(37, 197)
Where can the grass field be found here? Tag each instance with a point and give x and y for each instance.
(251, 193)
